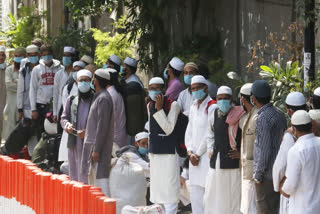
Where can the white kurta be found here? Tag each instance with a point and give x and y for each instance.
(60, 81)
(185, 101)
(279, 169)
(303, 176)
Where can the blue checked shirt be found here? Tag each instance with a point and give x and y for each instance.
(270, 126)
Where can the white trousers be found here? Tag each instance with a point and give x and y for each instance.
(103, 183)
(196, 198)
(248, 197)
(171, 208)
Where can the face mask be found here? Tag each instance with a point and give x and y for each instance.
(66, 60)
(122, 72)
(33, 59)
(165, 74)
(224, 105)
(142, 150)
(47, 58)
(74, 75)
(153, 94)
(199, 95)
(243, 107)
(84, 87)
(105, 66)
(17, 59)
(187, 79)
(3, 65)
(92, 86)
(251, 101)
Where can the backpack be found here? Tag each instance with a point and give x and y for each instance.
(135, 108)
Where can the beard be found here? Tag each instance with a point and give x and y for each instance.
(85, 95)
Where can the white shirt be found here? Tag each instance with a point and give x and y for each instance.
(134, 78)
(185, 101)
(280, 164)
(303, 176)
(65, 95)
(60, 81)
(195, 140)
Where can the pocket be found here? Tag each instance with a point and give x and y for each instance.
(248, 169)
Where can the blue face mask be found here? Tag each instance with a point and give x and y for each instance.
(199, 95)
(92, 86)
(105, 66)
(153, 94)
(74, 75)
(33, 59)
(84, 87)
(224, 105)
(66, 60)
(3, 66)
(187, 79)
(165, 74)
(143, 151)
(47, 58)
(18, 59)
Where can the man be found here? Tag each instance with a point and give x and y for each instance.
(270, 126)
(248, 192)
(223, 184)
(41, 86)
(303, 168)
(37, 42)
(120, 138)
(164, 181)
(195, 141)
(23, 100)
(295, 101)
(315, 111)
(139, 152)
(61, 79)
(113, 62)
(129, 71)
(3, 93)
(185, 98)
(204, 71)
(86, 59)
(96, 156)
(74, 121)
(172, 73)
(12, 75)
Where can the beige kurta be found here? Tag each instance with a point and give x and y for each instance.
(3, 94)
(10, 112)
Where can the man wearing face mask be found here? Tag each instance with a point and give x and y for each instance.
(113, 62)
(61, 79)
(270, 126)
(185, 98)
(164, 181)
(248, 121)
(23, 100)
(196, 142)
(303, 168)
(295, 101)
(37, 42)
(129, 71)
(3, 93)
(74, 121)
(223, 184)
(172, 73)
(12, 75)
(41, 86)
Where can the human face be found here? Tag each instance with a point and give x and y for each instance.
(84, 79)
(197, 87)
(223, 97)
(189, 71)
(45, 53)
(19, 55)
(2, 57)
(67, 54)
(76, 68)
(155, 87)
(143, 143)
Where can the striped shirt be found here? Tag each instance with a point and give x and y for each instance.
(270, 126)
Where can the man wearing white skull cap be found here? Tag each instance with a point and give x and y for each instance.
(295, 101)
(302, 183)
(196, 142)
(314, 111)
(74, 121)
(129, 71)
(3, 66)
(163, 114)
(248, 127)
(172, 73)
(223, 183)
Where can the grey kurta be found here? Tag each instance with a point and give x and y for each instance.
(99, 134)
(3, 94)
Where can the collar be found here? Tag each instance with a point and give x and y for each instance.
(263, 108)
(305, 137)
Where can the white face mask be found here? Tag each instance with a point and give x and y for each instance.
(3, 65)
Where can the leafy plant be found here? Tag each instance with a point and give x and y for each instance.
(23, 30)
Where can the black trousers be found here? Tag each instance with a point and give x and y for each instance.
(267, 199)
(42, 109)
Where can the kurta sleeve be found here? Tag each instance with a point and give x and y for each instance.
(34, 84)
(293, 173)
(167, 123)
(65, 117)
(104, 122)
(11, 82)
(20, 91)
(56, 89)
(134, 158)
(210, 133)
(188, 134)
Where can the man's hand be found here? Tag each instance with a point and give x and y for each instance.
(81, 133)
(21, 115)
(35, 115)
(194, 159)
(95, 156)
(69, 128)
(54, 118)
(280, 187)
(159, 101)
(182, 181)
(210, 154)
(234, 154)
